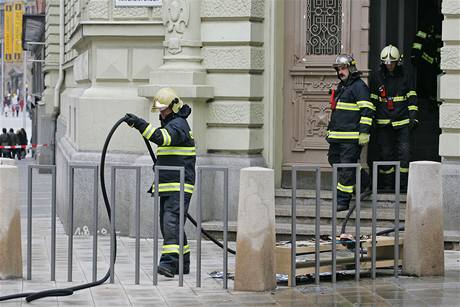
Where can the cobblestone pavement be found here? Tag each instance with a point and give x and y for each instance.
(384, 291)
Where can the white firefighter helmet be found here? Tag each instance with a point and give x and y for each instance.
(390, 54)
(345, 60)
(166, 97)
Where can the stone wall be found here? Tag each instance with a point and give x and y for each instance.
(449, 93)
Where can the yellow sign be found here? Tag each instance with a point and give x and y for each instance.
(17, 28)
(8, 32)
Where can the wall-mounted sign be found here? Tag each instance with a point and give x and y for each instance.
(119, 3)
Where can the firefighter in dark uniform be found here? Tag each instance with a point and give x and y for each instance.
(349, 127)
(176, 147)
(396, 115)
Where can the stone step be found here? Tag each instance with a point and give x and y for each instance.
(306, 215)
(283, 230)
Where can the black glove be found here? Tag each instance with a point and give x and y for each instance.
(131, 119)
(413, 123)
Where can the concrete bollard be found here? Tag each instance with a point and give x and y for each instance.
(10, 222)
(423, 235)
(255, 246)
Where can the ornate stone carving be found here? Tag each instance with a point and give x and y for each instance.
(233, 8)
(130, 13)
(236, 113)
(176, 14)
(450, 58)
(245, 58)
(313, 83)
(112, 63)
(451, 7)
(98, 9)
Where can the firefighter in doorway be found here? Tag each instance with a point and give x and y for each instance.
(396, 101)
(349, 127)
(176, 147)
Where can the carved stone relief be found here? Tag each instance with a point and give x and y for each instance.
(233, 8)
(176, 14)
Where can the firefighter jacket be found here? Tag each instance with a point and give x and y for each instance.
(352, 111)
(176, 147)
(426, 48)
(394, 97)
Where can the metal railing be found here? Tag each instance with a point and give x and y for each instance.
(396, 164)
(200, 170)
(317, 170)
(72, 168)
(357, 253)
(137, 220)
(53, 219)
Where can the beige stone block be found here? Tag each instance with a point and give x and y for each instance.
(449, 88)
(243, 139)
(232, 8)
(243, 85)
(98, 9)
(235, 58)
(10, 222)
(451, 29)
(450, 7)
(221, 32)
(255, 246)
(236, 112)
(449, 115)
(449, 144)
(450, 58)
(112, 63)
(145, 60)
(424, 228)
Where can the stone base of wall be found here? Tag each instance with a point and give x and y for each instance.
(451, 200)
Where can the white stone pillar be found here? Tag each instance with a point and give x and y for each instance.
(182, 69)
(255, 246)
(10, 222)
(423, 235)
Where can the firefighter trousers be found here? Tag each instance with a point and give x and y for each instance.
(169, 225)
(344, 153)
(394, 146)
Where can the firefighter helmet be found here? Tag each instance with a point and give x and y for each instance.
(345, 60)
(390, 54)
(166, 97)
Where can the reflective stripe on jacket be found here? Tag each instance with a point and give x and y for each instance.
(176, 147)
(399, 89)
(353, 113)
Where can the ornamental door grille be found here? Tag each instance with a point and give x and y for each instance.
(316, 31)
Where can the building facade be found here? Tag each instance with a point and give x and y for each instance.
(257, 74)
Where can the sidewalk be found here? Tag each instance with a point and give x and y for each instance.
(385, 291)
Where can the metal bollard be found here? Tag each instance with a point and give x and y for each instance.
(374, 215)
(199, 220)
(181, 171)
(317, 170)
(72, 168)
(53, 219)
(137, 219)
(357, 167)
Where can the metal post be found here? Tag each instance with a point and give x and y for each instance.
(293, 226)
(374, 219)
(95, 222)
(112, 225)
(357, 223)
(397, 196)
(138, 225)
(70, 227)
(198, 229)
(334, 223)
(225, 229)
(24, 90)
(29, 222)
(53, 223)
(317, 224)
(181, 228)
(155, 226)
